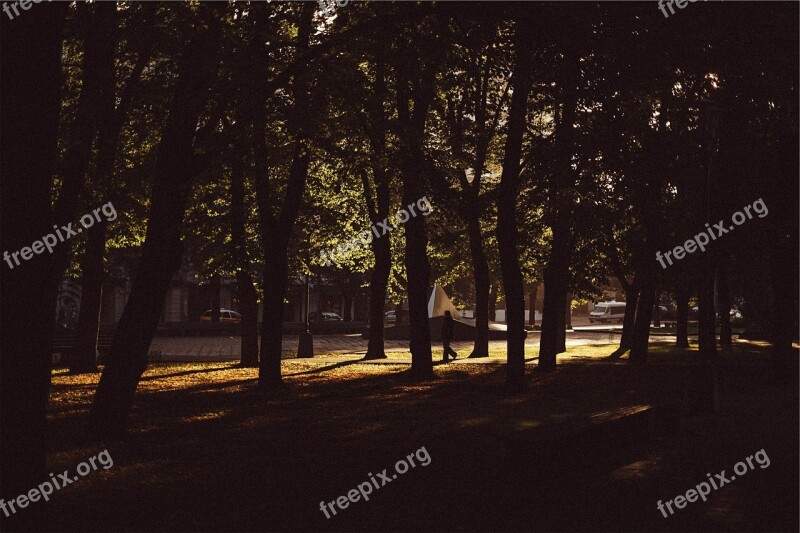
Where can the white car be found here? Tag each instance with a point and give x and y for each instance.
(608, 312)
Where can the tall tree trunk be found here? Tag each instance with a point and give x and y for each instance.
(507, 235)
(379, 281)
(30, 59)
(481, 270)
(415, 93)
(162, 251)
(378, 210)
(84, 352)
(682, 317)
(725, 334)
(555, 295)
(556, 276)
(275, 281)
(276, 230)
(248, 297)
(113, 114)
(99, 46)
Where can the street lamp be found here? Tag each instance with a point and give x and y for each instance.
(305, 349)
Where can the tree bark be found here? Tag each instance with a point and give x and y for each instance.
(248, 297)
(657, 312)
(555, 295)
(644, 315)
(99, 46)
(162, 251)
(415, 93)
(276, 230)
(84, 352)
(507, 235)
(481, 271)
(629, 320)
(532, 304)
(492, 302)
(556, 275)
(30, 59)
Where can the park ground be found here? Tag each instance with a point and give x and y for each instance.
(208, 452)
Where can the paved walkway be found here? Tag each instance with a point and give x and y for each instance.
(228, 348)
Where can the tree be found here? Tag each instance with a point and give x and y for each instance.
(513, 287)
(162, 251)
(30, 57)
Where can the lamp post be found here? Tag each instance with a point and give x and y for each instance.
(305, 349)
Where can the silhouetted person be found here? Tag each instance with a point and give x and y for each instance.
(447, 336)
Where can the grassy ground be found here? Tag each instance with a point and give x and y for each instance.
(208, 452)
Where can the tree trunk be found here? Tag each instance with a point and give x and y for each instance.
(248, 297)
(379, 281)
(682, 318)
(556, 278)
(629, 320)
(248, 328)
(725, 334)
(513, 288)
(379, 210)
(30, 59)
(99, 45)
(644, 314)
(657, 311)
(706, 324)
(162, 251)
(555, 295)
(84, 352)
(415, 92)
(276, 230)
(275, 280)
(481, 269)
(492, 302)
(532, 304)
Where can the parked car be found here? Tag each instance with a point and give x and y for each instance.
(607, 312)
(324, 317)
(225, 315)
(391, 316)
